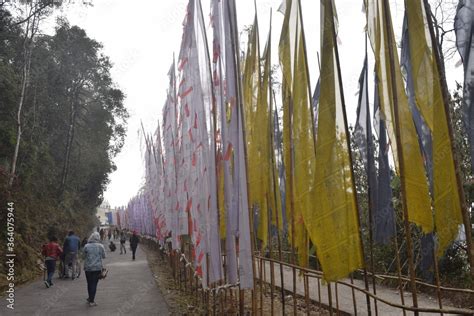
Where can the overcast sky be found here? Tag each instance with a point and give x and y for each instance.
(141, 36)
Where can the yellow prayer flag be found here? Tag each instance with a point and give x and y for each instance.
(257, 161)
(430, 101)
(298, 143)
(415, 184)
(332, 220)
(265, 120)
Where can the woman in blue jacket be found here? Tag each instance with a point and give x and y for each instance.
(94, 252)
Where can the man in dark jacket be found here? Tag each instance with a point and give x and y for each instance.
(134, 243)
(71, 246)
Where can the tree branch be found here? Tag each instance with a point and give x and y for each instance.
(35, 12)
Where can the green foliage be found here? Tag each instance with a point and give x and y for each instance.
(74, 124)
(462, 145)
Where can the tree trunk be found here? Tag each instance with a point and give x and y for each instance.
(70, 139)
(31, 28)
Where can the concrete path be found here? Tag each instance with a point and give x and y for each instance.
(129, 289)
(344, 294)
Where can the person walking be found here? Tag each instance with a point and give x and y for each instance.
(134, 243)
(94, 252)
(123, 239)
(51, 251)
(71, 247)
(109, 233)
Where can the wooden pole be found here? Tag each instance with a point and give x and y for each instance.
(291, 188)
(444, 90)
(366, 281)
(196, 290)
(223, 245)
(235, 46)
(214, 150)
(178, 264)
(330, 299)
(185, 268)
(272, 272)
(306, 293)
(399, 269)
(438, 289)
(319, 294)
(280, 256)
(262, 280)
(225, 280)
(293, 257)
(354, 301)
(391, 43)
(371, 206)
(311, 112)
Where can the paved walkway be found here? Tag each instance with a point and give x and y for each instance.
(345, 299)
(129, 289)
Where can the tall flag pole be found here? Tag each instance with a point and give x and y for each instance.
(335, 201)
(246, 262)
(170, 165)
(425, 141)
(430, 102)
(449, 200)
(416, 202)
(394, 102)
(216, 271)
(200, 190)
(363, 139)
(225, 107)
(217, 73)
(314, 105)
(184, 133)
(383, 212)
(160, 222)
(298, 155)
(278, 141)
(257, 160)
(209, 118)
(275, 197)
(298, 142)
(266, 116)
(384, 216)
(152, 187)
(233, 145)
(146, 196)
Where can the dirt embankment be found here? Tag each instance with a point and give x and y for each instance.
(35, 218)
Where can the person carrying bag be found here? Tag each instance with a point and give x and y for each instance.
(94, 252)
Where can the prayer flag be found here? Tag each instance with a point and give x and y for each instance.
(430, 101)
(390, 89)
(332, 221)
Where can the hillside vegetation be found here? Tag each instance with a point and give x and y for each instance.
(62, 120)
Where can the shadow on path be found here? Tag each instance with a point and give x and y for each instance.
(129, 289)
